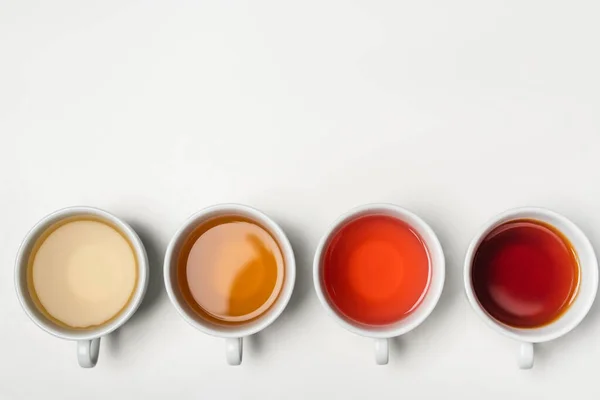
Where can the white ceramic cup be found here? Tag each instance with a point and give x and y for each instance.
(88, 340)
(573, 315)
(382, 334)
(233, 334)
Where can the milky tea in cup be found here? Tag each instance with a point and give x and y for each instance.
(82, 272)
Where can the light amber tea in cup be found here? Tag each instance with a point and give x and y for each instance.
(230, 270)
(82, 272)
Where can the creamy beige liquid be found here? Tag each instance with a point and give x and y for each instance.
(83, 273)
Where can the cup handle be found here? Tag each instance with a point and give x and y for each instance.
(526, 355)
(233, 351)
(382, 352)
(87, 352)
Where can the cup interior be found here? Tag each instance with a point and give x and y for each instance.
(431, 296)
(182, 305)
(588, 284)
(26, 297)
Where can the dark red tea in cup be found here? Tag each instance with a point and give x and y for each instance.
(525, 273)
(376, 270)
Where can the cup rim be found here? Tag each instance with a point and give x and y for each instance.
(531, 335)
(434, 291)
(286, 291)
(124, 315)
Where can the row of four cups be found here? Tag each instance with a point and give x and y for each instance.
(379, 271)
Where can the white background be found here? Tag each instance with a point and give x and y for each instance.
(153, 110)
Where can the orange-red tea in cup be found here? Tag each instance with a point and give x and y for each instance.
(376, 270)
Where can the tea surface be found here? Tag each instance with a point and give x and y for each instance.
(230, 270)
(525, 274)
(376, 270)
(82, 272)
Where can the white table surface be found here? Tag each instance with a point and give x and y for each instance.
(456, 110)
